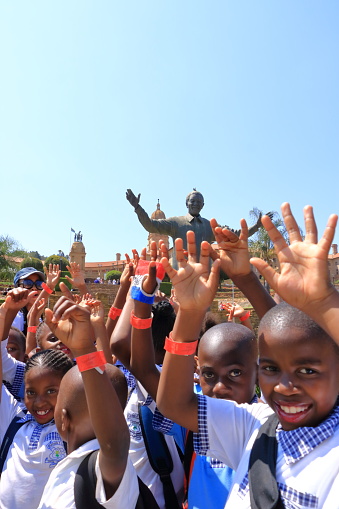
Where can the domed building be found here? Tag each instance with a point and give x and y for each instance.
(157, 214)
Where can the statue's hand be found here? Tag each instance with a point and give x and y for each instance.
(134, 201)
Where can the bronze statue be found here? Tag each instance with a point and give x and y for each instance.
(176, 227)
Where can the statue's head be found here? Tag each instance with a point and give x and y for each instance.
(194, 202)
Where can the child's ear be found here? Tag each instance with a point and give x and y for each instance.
(196, 364)
(65, 420)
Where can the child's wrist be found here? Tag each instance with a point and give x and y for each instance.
(245, 317)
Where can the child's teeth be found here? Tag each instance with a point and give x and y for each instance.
(293, 409)
(42, 412)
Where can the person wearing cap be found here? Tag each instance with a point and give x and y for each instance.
(30, 279)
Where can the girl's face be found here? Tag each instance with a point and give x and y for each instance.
(41, 390)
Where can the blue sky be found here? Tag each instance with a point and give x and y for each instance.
(236, 98)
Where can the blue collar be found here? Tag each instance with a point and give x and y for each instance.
(34, 440)
(299, 442)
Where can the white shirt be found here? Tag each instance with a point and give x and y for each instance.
(312, 481)
(59, 490)
(33, 454)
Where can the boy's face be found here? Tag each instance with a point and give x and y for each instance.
(299, 377)
(49, 341)
(227, 372)
(14, 346)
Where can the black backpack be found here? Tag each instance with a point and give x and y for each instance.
(264, 491)
(85, 485)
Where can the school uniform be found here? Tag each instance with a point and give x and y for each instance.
(307, 462)
(35, 451)
(210, 480)
(59, 490)
(137, 452)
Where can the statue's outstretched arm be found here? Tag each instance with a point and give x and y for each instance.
(134, 201)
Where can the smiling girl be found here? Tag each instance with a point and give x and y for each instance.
(36, 447)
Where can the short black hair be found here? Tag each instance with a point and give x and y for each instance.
(283, 316)
(162, 323)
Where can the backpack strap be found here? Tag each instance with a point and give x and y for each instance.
(264, 492)
(189, 459)
(159, 456)
(85, 486)
(13, 427)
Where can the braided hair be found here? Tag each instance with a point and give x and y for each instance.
(54, 359)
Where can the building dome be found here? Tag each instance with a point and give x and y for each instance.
(158, 214)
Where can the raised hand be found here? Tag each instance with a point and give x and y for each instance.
(233, 249)
(18, 298)
(52, 275)
(78, 276)
(304, 278)
(194, 285)
(70, 322)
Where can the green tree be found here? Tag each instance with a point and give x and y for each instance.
(57, 260)
(30, 261)
(113, 274)
(8, 267)
(260, 244)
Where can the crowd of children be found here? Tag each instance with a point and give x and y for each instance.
(160, 407)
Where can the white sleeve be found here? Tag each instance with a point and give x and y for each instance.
(227, 429)
(127, 493)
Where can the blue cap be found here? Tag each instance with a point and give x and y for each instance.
(26, 272)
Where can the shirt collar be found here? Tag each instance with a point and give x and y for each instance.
(299, 442)
(190, 218)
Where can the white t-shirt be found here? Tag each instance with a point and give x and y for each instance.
(138, 454)
(35, 451)
(59, 490)
(228, 431)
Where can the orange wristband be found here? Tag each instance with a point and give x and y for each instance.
(94, 360)
(141, 323)
(244, 317)
(46, 288)
(32, 329)
(114, 313)
(177, 348)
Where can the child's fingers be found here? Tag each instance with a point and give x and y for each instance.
(311, 231)
(153, 250)
(66, 291)
(213, 279)
(267, 272)
(179, 250)
(290, 223)
(274, 234)
(244, 230)
(328, 235)
(205, 254)
(149, 283)
(168, 268)
(191, 246)
(48, 319)
(143, 254)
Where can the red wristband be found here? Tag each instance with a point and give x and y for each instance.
(46, 288)
(245, 317)
(114, 313)
(177, 348)
(140, 323)
(94, 360)
(32, 329)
